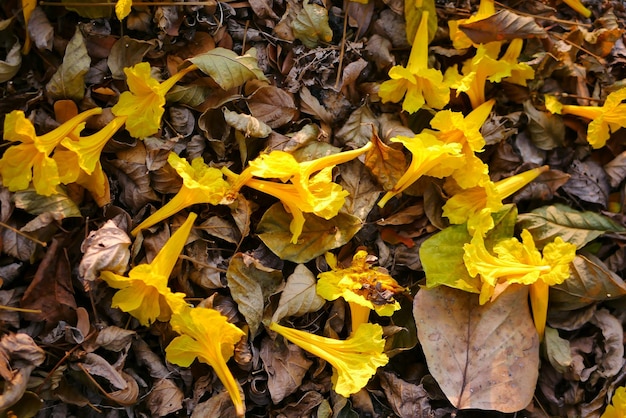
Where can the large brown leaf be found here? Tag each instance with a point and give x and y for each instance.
(483, 357)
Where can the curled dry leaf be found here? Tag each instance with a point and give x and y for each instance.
(588, 182)
(285, 365)
(19, 357)
(104, 249)
(165, 398)
(248, 125)
(612, 359)
(12, 63)
(406, 399)
(69, 80)
(503, 26)
(482, 356)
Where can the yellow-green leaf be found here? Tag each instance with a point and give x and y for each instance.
(11, 64)
(69, 80)
(228, 69)
(318, 235)
(311, 25)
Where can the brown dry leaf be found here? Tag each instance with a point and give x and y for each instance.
(403, 217)
(387, 164)
(165, 398)
(285, 365)
(299, 296)
(272, 105)
(221, 228)
(588, 182)
(127, 52)
(251, 284)
(68, 82)
(310, 105)
(358, 129)
(379, 49)
(115, 339)
(10, 65)
(40, 29)
(590, 282)
(148, 359)
(104, 249)
(248, 125)
(218, 405)
(136, 191)
(482, 356)
(406, 399)
(303, 407)
(19, 356)
(95, 365)
(616, 169)
(127, 396)
(612, 359)
(51, 290)
(362, 186)
(263, 9)
(502, 26)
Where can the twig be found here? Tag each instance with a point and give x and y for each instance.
(17, 231)
(16, 309)
(135, 3)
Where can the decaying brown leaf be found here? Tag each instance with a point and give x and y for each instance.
(19, 356)
(482, 356)
(286, 366)
(504, 25)
(104, 249)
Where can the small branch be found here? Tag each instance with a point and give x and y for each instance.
(18, 232)
(16, 309)
(135, 3)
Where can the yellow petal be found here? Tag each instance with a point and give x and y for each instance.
(166, 259)
(122, 8)
(354, 360)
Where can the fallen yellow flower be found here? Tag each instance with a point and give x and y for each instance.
(484, 66)
(476, 204)
(618, 407)
(520, 71)
(354, 360)
(604, 119)
(201, 184)
(144, 293)
(364, 287)
(143, 104)
(31, 159)
(430, 156)
(310, 188)
(458, 38)
(520, 262)
(453, 127)
(207, 335)
(416, 83)
(578, 7)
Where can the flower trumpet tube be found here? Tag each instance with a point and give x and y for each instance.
(201, 184)
(578, 7)
(476, 204)
(144, 293)
(521, 263)
(143, 103)
(416, 83)
(207, 335)
(428, 154)
(30, 160)
(604, 119)
(364, 287)
(89, 148)
(354, 360)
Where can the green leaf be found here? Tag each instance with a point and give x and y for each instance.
(442, 254)
(579, 228)
(558, 350)
(442, 259)
(591, 282)
(251, 284)
(299, 296)
(69, 80)
(318, 235)
(60, 205)
(311, 25)
(191, 95)
(482, 356)
(228, 69)
(413, 15)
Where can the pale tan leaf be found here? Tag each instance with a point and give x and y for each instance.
(104, 249)
(248, 125)
(40, 29)
(11, 64)
(299, 296)
(482, 356)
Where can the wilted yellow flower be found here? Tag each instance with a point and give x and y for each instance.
(430, 156)
(458, 38)
(476, 204)
(207, 335)
(311, 189)
(484, 66)
(201, 184)
(143, 104)
(354, 360)
(604, 119)
(618, 407)
(69, 172)
(31, 159)
(416, 83)
(364, 287)
(453, 127)
(144, 293)
(520, 262)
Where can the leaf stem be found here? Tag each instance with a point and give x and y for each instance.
(18, 232)
(135, 3)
